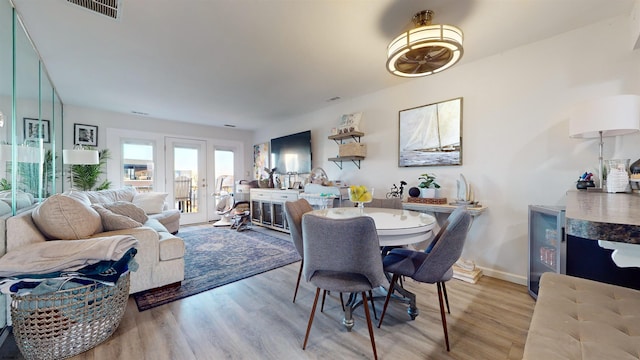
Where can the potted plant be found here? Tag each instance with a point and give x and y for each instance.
(428, 186)
(85, 177)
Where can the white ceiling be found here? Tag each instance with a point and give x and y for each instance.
(251, 62)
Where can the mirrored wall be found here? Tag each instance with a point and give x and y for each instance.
(30, 129)
(30, 161)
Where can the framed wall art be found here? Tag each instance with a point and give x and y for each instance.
(36, 129)
(85, 135)
(431, 135)
(260, 160)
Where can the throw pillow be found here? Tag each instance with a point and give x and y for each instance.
(65, 218)
(150, 202)
(112, 221)
(127, 209)
(156, 225)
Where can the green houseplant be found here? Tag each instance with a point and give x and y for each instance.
(85, 177)
(428, 186)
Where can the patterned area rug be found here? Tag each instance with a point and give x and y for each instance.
(219, 256)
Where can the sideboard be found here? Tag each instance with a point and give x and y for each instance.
(267, 207)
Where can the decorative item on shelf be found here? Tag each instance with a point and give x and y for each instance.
(585, 181)
(268, 182)
(426, 49)
(465, 194)
(609, 116)
(428, 185)
(414, 192)
(396, 192)
(617, 176)
(360, 195)
(349, 123)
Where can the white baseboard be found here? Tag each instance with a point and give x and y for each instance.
(517, 279)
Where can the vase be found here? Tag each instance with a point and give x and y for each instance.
(428, 193)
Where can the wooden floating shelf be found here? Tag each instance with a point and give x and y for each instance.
(355, 159)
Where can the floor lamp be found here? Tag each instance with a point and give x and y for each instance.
(608, 116)
(79, 156)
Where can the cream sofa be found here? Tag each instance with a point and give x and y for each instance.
(160, 254)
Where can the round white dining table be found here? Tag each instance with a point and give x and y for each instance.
(395, 227)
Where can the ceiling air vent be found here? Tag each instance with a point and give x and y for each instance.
(108, 8)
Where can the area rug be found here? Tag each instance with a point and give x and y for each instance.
(219, 256)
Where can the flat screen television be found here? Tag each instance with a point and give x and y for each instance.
(292, 153)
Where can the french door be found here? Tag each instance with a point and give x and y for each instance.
(186, 178)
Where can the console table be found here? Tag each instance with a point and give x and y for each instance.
(442, 211)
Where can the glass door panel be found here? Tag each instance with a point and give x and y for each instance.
(186, 178)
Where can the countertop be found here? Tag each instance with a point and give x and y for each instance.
(604, 216)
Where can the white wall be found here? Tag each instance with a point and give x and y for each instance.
(156, 129)
(516, 148)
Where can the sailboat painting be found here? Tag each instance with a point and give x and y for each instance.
(430, 135)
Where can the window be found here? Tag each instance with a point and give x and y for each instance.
(138, 164)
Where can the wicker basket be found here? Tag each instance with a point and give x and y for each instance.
(352, 149)
(68, 322)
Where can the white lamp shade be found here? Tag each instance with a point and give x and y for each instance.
(80, 157)
(613, 115)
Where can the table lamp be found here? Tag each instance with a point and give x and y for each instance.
(608, 116)
(79, 156)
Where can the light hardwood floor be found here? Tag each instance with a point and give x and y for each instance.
(255, 319)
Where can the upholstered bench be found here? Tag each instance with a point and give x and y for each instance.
(575, 318)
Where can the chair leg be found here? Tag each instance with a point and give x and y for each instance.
(324, 296)
(446, 298)
(298, 283)
(386, 300)
(373, 306)
(342, 303)
(313, 313)
(443, 316)
(366, 312)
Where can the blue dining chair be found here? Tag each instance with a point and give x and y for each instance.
(433, 266)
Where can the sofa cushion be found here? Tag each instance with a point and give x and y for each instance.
(171, 247)
(112, 221)
(150, 202)
(110, 196)
(127, 209)
(23, 199)
(65, 218)
(155, 225)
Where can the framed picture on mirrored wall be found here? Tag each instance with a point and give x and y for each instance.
(36, 129)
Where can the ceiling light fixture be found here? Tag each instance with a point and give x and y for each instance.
(426, 49)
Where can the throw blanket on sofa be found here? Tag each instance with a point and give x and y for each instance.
(64, 255)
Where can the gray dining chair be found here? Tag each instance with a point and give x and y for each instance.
(293, 211)
(434, 266)
(393, 203)
(342, 255)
